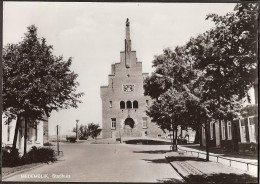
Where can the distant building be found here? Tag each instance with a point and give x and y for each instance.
(123, 100)
(36, 135)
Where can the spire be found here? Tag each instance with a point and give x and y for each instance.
(127, 29)
(127, 36)
(127, 43)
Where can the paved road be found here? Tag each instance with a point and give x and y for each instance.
(106, 162)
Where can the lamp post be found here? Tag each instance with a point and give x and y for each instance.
(77, 129)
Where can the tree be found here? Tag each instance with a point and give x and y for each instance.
(168, 86)
(35, 82)
(227, 54)
(93, 130)
(235, 50)
(83, 132)
(211, 73)
(205, 103)
(226, 57)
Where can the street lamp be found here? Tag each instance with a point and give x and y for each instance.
(77, 129)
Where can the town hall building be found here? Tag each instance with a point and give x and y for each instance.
(123, 100)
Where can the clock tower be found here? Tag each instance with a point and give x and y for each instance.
(123, 100)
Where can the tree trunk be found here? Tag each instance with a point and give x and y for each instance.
(174, 136)
(201, 138)
(207, 140)
(197, 136)
(17, 126)
(176, 142)
(25, 136)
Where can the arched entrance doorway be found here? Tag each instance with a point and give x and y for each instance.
(130, 122)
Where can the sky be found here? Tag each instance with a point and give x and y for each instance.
(93, 35)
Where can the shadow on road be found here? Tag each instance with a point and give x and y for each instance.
(152, 151)
(170, 180)
(214, 178)
(60, 160)
(147, 142)
(157, 161)
(222, 178)
(183, 158)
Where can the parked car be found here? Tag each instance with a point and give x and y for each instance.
(71, 136)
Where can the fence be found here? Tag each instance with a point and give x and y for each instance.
(220, 157)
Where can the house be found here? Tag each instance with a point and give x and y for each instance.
(37, 135)
(241, 134)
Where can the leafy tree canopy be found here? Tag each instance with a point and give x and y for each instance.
(35, 82)
(227, 54)
(214, 70)
(93, 130)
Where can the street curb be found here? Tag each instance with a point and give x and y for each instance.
(21, 171)
(184, 178)
(24, 170)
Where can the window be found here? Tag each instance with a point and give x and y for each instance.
(229, 130)
(144, 122)
(36, 131)
(242, 130)
(135, 104)
(110, 104)
(147, 103)
(8, 133)
(129, 105)
(113, 123)
(223, 130)
(251, 126)
(122, 105)
(211, 130)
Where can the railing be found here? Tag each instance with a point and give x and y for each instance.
(221, 158)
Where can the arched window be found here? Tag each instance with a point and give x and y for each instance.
(129, 105)
(135, 104)
(122, 105)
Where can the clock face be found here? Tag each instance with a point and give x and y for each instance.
(128, 88)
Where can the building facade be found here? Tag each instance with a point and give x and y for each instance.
(37, 135)
(123, 100)
(241, 134)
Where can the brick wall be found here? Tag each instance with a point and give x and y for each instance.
(127, 72)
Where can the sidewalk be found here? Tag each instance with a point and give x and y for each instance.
(223, 158)
(194, 169)
(223, 152)
(11, 171)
